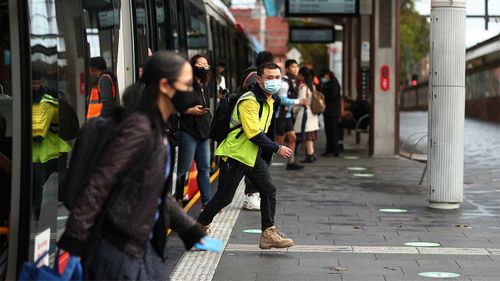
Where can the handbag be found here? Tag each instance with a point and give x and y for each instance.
(317, 102)
(31, 272)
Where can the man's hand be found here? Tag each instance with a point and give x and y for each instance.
(285, 152)
(303, 101)
(196, 110)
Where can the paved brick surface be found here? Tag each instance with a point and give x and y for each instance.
(325, 204)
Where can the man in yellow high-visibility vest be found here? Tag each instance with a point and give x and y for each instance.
(241, 155)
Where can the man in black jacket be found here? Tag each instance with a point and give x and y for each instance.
(333, 99)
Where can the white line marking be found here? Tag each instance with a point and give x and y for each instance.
(198, 265)
(369, 250)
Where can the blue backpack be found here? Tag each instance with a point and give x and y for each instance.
(73, 270)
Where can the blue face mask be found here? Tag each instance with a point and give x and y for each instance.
(272, 86)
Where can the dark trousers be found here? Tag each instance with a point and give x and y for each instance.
(249, 186)
(332, 134)
(231, 173)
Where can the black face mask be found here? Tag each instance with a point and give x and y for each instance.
(200, 72)
(180, 100)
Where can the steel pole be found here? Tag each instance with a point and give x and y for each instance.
(446, 104)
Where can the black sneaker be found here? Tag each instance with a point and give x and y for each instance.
(294, 166)
(308, 159)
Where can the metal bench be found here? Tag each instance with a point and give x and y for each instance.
(360, 131)
(409, 152)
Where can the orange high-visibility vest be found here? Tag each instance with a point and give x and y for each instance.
(95, 104)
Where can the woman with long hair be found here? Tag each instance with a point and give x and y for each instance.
(118, 223)
(194, 131)
(306, 123)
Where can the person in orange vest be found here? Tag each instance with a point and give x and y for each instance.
(103, 95)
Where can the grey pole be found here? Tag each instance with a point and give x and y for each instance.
(446, 104)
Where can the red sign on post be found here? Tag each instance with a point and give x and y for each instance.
(385, 78)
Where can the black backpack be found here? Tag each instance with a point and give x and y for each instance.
(90, 143)
(219, 128)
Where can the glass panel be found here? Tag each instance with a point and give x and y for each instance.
(161, 24)
(196, 29)
(49, 148)
(5, 133)
(63, 37)
(141, 33)
(174, 26)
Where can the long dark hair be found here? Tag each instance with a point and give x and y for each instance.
(308, 76)
(142, 96)
(193, 61)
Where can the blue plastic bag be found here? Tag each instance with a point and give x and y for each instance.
(73, 271)
(210, 244)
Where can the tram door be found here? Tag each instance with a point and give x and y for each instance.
(5, 134)
(152, 19)
(62, 36)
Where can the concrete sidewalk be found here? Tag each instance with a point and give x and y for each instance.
(332, 213)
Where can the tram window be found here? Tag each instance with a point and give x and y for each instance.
(102, 30)
(161, 24)
(196, 30)
(174, 25)
(141, 33)
(5, 132)
(59, 50)
(47, 144)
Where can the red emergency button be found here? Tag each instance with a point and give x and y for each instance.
(385, 78)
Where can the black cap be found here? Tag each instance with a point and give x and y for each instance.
(98, 63)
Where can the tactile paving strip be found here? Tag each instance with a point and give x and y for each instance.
(199, 265)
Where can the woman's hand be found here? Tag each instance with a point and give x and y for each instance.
(196, 110)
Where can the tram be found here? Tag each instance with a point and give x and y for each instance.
(482, 83)
(46, 46)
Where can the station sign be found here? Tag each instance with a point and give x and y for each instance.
(321, 8)
(306, 34)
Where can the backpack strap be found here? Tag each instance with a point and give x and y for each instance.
(261, 108)
(291, 89)
(248, 77)
(113, 87)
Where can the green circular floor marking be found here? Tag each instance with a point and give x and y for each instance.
(422, 244)
(252, 231)
(356, 169)
(392, 210)
(363, 175)
(351, 157)
(439, 274)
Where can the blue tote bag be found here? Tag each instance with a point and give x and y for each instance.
(73, 271)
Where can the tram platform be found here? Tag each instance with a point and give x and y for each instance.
(332, 210)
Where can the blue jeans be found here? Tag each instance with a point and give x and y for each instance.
(191, 148)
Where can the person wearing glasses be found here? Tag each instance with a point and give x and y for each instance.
(194, 131)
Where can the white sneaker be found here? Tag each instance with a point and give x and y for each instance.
(252, 202)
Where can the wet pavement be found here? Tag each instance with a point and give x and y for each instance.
(332, 211)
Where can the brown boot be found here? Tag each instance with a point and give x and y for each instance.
(204, 228)
(272, 238)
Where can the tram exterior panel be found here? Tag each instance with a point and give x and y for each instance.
(46, 46)
(482, 83)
